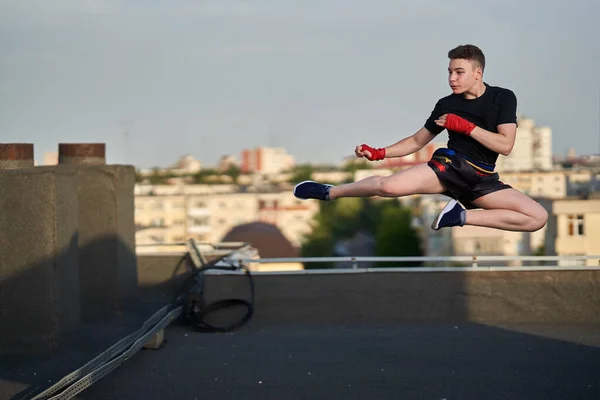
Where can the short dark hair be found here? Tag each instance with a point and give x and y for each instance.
(468, 52)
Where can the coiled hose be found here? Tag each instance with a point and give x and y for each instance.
(195, 307)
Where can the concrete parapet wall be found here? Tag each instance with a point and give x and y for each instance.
(546, 297)
(553, 297)
(67, 240)
(159, 276)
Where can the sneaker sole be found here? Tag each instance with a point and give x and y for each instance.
(436, 221)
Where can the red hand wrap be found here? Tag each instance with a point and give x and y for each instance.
(376, 154)
(459, 124)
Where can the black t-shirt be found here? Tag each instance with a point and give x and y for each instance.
(496, 106)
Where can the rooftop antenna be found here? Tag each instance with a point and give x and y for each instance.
(127, 128)
(271, 142)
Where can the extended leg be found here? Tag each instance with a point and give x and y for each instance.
(419, 179)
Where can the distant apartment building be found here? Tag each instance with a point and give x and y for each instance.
(51, 158)
(226, 162)
(532, 149)
(571, 153)
(166, 214)
(476, 240)
(554, 184)
(574, 229)
(548, 184)
(160, 219)
(542, 148)
(582, 180)
(266, 160)
(186, 165)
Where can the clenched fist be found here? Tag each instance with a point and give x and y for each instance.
(372, 154)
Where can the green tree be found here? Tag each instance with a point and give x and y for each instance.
(354, 166)
(385, 219)
(396, 237)
(341, 217)
(159, 177)
(203, 175)
(539, 251)
(138, 176)
(320, 243)
(234, 172)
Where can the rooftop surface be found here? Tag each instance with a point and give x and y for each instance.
(508, 334)
(406, 361)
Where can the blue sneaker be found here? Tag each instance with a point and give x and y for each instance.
(452, 215)
(312, 190)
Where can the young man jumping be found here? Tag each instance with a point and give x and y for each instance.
(482, 123)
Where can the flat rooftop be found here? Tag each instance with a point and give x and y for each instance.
(396, 361)
(416, 334)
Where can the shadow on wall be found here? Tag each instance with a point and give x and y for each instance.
(57, 314)
(68, 264)
(63, 312)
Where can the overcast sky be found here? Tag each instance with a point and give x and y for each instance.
(156, 80)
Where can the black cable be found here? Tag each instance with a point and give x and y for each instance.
(191, 296)
(198, 315)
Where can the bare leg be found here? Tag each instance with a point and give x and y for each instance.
(509, 210)
(419, 179)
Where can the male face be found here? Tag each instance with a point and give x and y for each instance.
(463, 75)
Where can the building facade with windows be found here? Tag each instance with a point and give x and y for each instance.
(171, 214)
(574, 228)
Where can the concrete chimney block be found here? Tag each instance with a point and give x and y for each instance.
(82, 153)
(16, 155)
(39, 282)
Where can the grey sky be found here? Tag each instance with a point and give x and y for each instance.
(315, 76)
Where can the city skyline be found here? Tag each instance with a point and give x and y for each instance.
(216, 77)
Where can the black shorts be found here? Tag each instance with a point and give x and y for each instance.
(464, 179)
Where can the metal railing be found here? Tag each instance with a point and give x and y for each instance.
(179, 248)
(474, 263)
